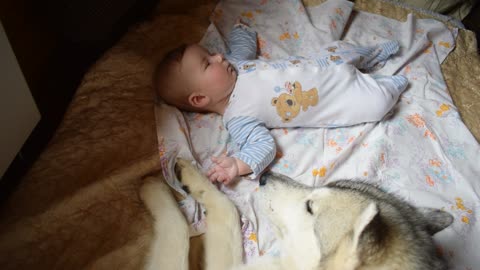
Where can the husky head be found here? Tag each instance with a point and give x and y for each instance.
(349, 225)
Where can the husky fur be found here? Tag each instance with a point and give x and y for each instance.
(344, 225)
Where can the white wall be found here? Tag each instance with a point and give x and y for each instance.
(18, 112)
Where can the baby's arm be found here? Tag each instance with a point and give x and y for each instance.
(257, 150)
(242, 42)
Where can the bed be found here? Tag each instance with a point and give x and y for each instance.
(78, 206)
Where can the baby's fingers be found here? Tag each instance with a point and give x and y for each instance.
(218, 160)
(215, 168)
(212, 174)
(222, 178)
(213, 177)
(218, 176)
(227, 181)
(211, 171)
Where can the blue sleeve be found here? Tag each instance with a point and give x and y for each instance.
(257, 147)
(242, 42)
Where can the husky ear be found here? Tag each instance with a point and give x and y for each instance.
(362, 223)
(436, 219)
(369, 232)
(363, 239)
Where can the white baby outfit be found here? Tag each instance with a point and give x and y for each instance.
(325, 90)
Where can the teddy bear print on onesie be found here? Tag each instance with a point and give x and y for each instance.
(339, 95)
(289, 104)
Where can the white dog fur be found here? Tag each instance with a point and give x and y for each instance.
(345, 225)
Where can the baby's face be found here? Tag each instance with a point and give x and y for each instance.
(209, 73)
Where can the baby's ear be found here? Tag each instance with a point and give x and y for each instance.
(274, 101)
(198, 101)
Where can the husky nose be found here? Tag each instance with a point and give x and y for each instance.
(263, 180)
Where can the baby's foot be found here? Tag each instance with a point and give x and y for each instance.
(397, 83)
(387, 49)
(380, 54)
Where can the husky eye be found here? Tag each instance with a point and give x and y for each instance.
(309, 206)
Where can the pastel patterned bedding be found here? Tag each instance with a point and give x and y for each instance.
(421, 151)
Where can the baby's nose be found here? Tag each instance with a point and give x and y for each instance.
(218, 57)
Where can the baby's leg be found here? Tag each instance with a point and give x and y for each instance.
(396, 83)
(242, 42)
(363, 97)
(375, 56)
(377, 100)
(366, 58)
(392, 86)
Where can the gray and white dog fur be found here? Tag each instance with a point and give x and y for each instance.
(344, 225)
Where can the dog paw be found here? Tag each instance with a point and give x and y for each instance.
(197, 194)
(188, 174)
(152, 190)
(194, 182)
(186, 171)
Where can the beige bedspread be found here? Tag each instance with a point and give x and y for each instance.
(78, 207)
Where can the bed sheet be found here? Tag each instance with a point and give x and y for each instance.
(422, 151)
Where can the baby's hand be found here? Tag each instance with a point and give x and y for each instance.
(224, 170)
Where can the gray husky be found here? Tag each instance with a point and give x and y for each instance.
(344, 225)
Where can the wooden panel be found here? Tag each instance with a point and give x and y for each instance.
(18, 112)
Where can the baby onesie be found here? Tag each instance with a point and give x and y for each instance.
(323, 90)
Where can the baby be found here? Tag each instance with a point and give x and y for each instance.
(324, 90)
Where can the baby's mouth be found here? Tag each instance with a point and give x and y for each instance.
(231, 69)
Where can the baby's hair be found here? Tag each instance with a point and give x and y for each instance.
(159, 73)
(169, 81)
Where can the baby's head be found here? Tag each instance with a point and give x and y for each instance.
(192, 79)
